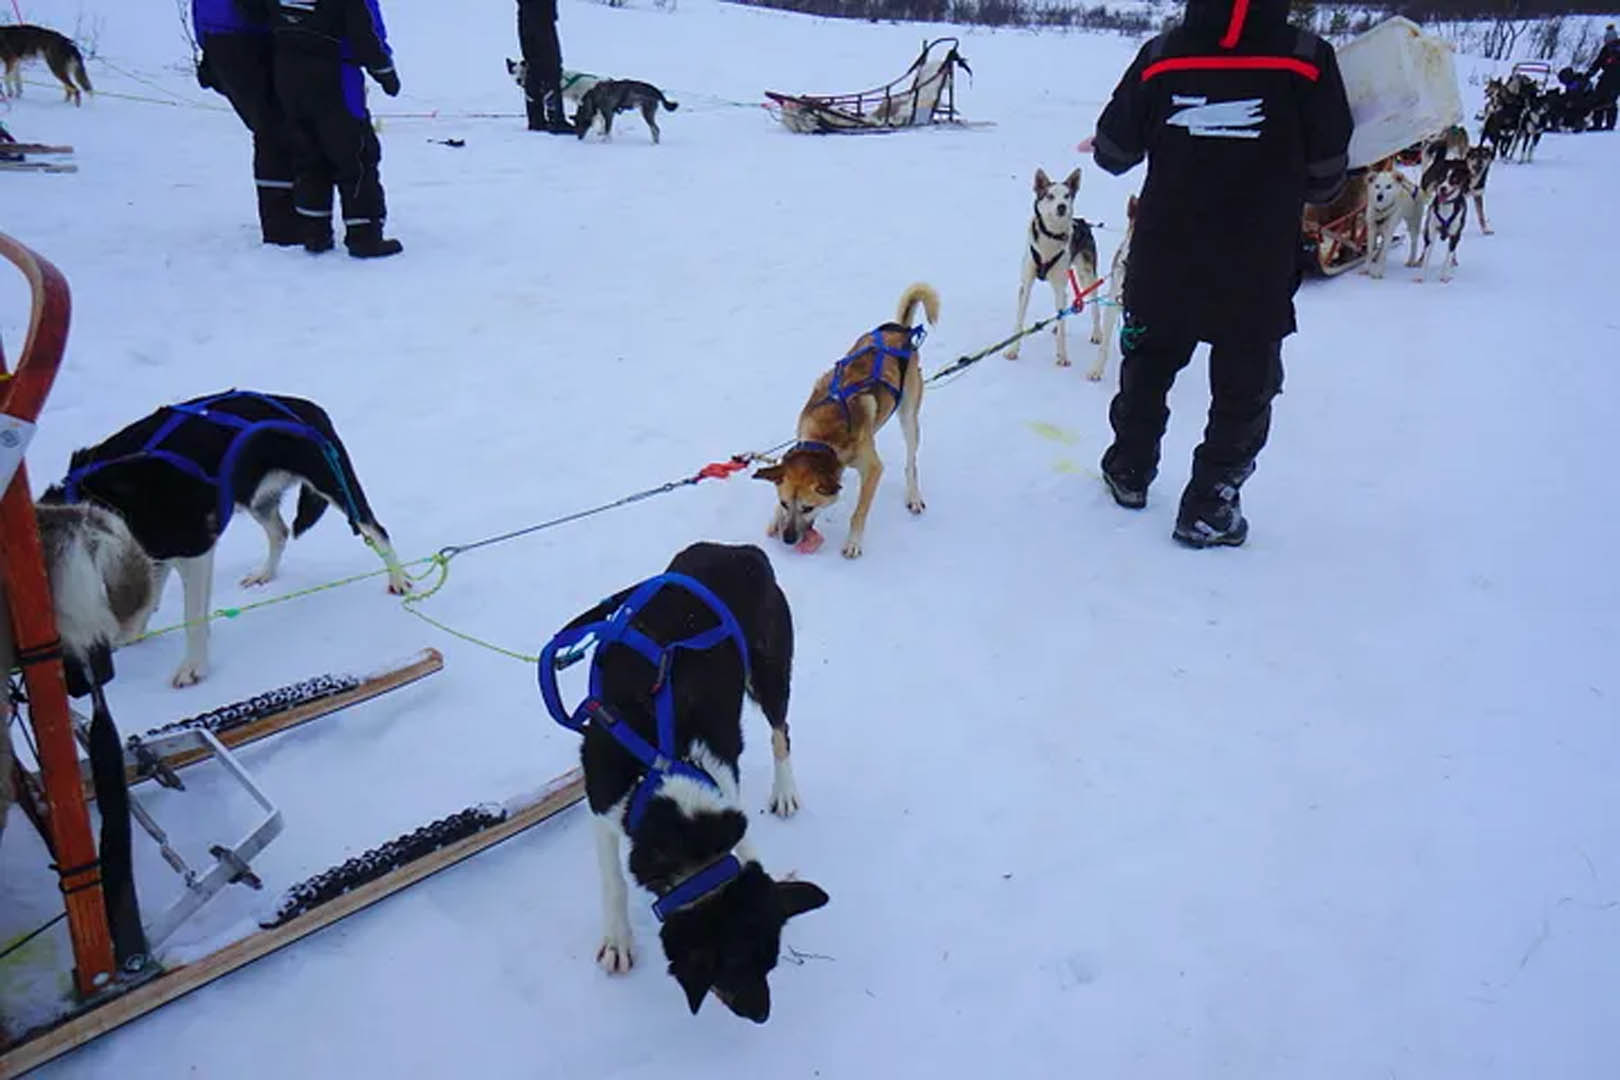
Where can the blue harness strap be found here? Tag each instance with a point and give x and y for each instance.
(840, 392)
(244, 429)
(661, 761)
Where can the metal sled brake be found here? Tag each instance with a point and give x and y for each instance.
(925, 94)
(1402, 86)
(117, 973)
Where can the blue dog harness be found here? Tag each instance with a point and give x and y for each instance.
(661, 762)
(219, 481)
(839, 392)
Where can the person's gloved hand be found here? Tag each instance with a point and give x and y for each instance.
(388, 80)
(205, 77)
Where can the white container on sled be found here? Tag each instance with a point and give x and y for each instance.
(1402, 87)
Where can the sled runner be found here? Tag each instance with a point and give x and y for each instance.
(14, 156)
(925, 94)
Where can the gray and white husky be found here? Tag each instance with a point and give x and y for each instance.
(612, 96)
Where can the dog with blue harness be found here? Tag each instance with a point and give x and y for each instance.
(673, 658)
(177, 475)
(880, 377)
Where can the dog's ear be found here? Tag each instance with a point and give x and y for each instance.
(770, 473)
(510, 67)
(798, 897)
(751, 1000)
(695, 973)
(1072, 182)
(1042, 181)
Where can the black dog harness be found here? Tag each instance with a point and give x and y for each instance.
(220, 480)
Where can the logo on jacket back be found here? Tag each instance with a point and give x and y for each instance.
(1218, 119)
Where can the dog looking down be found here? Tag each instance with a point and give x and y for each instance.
(611, 96)
(25, 40)
(175, 476)
(880, 377)
(682, 815)
(1058, 241)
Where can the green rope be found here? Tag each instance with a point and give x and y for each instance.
(441, 563)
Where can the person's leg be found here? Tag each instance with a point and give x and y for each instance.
(241, 66)
(299, 91)
(350, 142)
(542, 56)
(1243, 379)
(1149, 363)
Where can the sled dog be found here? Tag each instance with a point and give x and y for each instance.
(838, 426)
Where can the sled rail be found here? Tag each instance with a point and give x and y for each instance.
(23, 393)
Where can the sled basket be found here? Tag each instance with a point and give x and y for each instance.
(925, 94)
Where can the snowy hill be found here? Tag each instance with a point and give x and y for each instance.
(1339, 804)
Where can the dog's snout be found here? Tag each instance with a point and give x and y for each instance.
(790, 536)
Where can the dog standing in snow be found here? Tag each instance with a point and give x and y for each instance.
(1392, 200)
(175, 476)
(1479, 160)
(1115, 292)
(1446, 216)
(720, 628)
(838, 428)
(1058, 241)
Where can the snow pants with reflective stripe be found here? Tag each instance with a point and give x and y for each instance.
(241, 67)
(325, 102)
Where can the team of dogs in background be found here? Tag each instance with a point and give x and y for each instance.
(111, 541)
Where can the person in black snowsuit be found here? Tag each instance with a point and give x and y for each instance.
(542, 62)
(321, 48)
(237, 61)
(1243, 120)
(1606, 67)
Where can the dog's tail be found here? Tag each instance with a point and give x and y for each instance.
(919, 293)
(668, 104)
(311, 505)
(76, 68)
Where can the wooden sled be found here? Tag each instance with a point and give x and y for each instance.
(924, 95)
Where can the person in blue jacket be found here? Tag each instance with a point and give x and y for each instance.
(323, 47)
(236, 61)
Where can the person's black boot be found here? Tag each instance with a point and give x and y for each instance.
(279, 223)
(367, 242)
(316, 234)
(1211, 514)
(555, 119)
(1129, 487)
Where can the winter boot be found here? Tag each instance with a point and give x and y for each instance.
(1127, 486)
(317, 234)
(279, 223)
(366, 242)
(555, 119)
(1211, 513)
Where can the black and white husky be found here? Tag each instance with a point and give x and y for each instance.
(1446, 216)
(611, 96)
(686, 822)
(1058, 241)
(175, 476)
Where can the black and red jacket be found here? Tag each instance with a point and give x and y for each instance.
(1606, 66)
(1242, 119)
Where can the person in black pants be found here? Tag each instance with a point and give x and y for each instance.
(237, 61)
(1606, 66)
(542, 62)
(1242, 119)
(321, 48)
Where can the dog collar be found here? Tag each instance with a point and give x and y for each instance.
(713, 877)
(1040, 227)
(811, 446)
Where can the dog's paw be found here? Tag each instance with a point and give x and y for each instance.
(188, 674)
(1011, 353)
(1490, 232)
(1095, 374)
(852, 548)
(258, 577)
(774, 528)
(1063, 361)
(785, 801)
(398, 585)
(614, 955)
(915, 504)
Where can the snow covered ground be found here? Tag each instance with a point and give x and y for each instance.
(1338, 804)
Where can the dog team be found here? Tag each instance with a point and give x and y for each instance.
(1434, 210)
